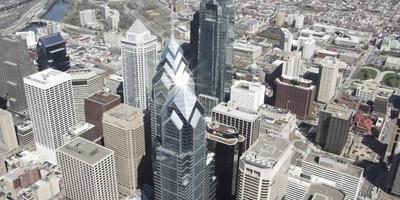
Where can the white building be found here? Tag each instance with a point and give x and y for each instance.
(50, 29)
(30, 38)
(392, 62)
(263, 168)
(139, 55)
(113, 19)
(88, 171)
(280, 19)
(277, 121)
(87, 17)
(287, 40)
(308, 49)
(248, 51)
(299, 21)
(248, 95)
(292, 64)
(84, 83)
(329, 79)
(346, 176)
(51, 108)
(367, 91)
(8, 137)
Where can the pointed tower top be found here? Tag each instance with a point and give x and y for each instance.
(137, 28)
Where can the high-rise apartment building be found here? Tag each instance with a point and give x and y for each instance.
(87, 17)
(286, 40)
(263, 168)
(88, 171)
(296, 95)
(51, 108)
(139, 57)
(52, 53)
(8, 136)
(123, 129)
(15, 64)
(292, 64)
(84, 83)
(216, 37)
(246, 121)
(227, 145)
(97, 104)
(248, 94)
(329, 79)
(333, 127)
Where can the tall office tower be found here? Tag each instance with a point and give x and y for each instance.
(263, 168)
(208, 102)
(308, 49)
(123, 128)
(246, 121)
(277, 121)
(51, 108)
(139, 57)
(291, 65)
(329, 77)
(194, 43)
(8, 137)
(15, 64)
(296, 95)
(52, 53)
(248, 95)
(97, 104)
(88, 171)
(84, 83)
(286, 40)
(216, 37)
(333, 127)
(346, 176)
(227, 145)
(280, 19)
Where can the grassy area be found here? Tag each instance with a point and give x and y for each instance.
(366, 74)
(392, 80)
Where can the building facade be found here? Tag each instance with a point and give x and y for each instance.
(52, 53)
(329, 75)
(8, 137)
(248, 94)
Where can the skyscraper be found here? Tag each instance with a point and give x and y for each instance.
(329, 79)
(286, 40)
(8, 137)
(180, 160)
(291, 66)
(51, 108)
(248, 95)
(139, 56)
(52, 53)
(88, 171)
(84, 83)
(124, 134)
(15, 64)
(216, 37)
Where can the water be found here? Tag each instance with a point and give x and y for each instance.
(56, 13)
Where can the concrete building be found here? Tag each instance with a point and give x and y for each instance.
(347, 177)
(49, 29)
(280, 19)
(308, 49)
(246, 121)
(84, 130)
(248, 95)
(113, 19)
(247, 51)
(208, 102)
(15, 64)
(97, 104)
(367, 91)
(123, 129)
(329, 77)
(277, 121)
(333, 127)
(392, 63)
(87, 17)
(95, 167)
(292, 64)
(299, 22)
(52, 53)
(262, 169)
(139, 57)
(296, 95)
(30, 38)
(286, 40)
(84, 83)
(8, 137)
(51, 108)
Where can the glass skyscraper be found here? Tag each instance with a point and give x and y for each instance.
(214, 71)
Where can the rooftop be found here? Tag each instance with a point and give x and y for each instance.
(339, 111)
(224, 133)
(85, 151)
(323, 192)
(50, 40)
(335, 163)
(124, 115)
(103, 97)
(266, 151)
(235, 112)
(81, 74)
(47, 78)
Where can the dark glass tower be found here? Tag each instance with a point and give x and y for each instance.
(52, 53)
(214, 72)
(181, 162)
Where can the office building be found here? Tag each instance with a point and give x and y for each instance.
(367, 91)
(216, 37)
(113, 19)
(346, 176)
(247, 122)
(280, 19)
(286, 40)
(15, 64)
(8, 137)
(299, 21)
(308, 49)
(329, 75)
(84, 83)
(95, 167)
(49, 29)
(87, 17)
(208, 102)
(194, 43)
(263, 168)
(83, 130)
(292, 64)
(139, 57)
(123, 129)
(295, 95)
(248, 95)
(30, 38)
(52, 53)
(227, 145)
(51, 108)
(277, 121)
(97, 104)
(333, 127)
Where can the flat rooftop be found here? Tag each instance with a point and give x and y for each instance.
(335, 163)
(266, 151)
(47, 78)
(124, 116)
(85, 151)
(339, 111)
(323, 192)
(103, 97)
(235, 112)
(81, 74)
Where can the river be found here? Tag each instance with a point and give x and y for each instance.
(56, 13)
